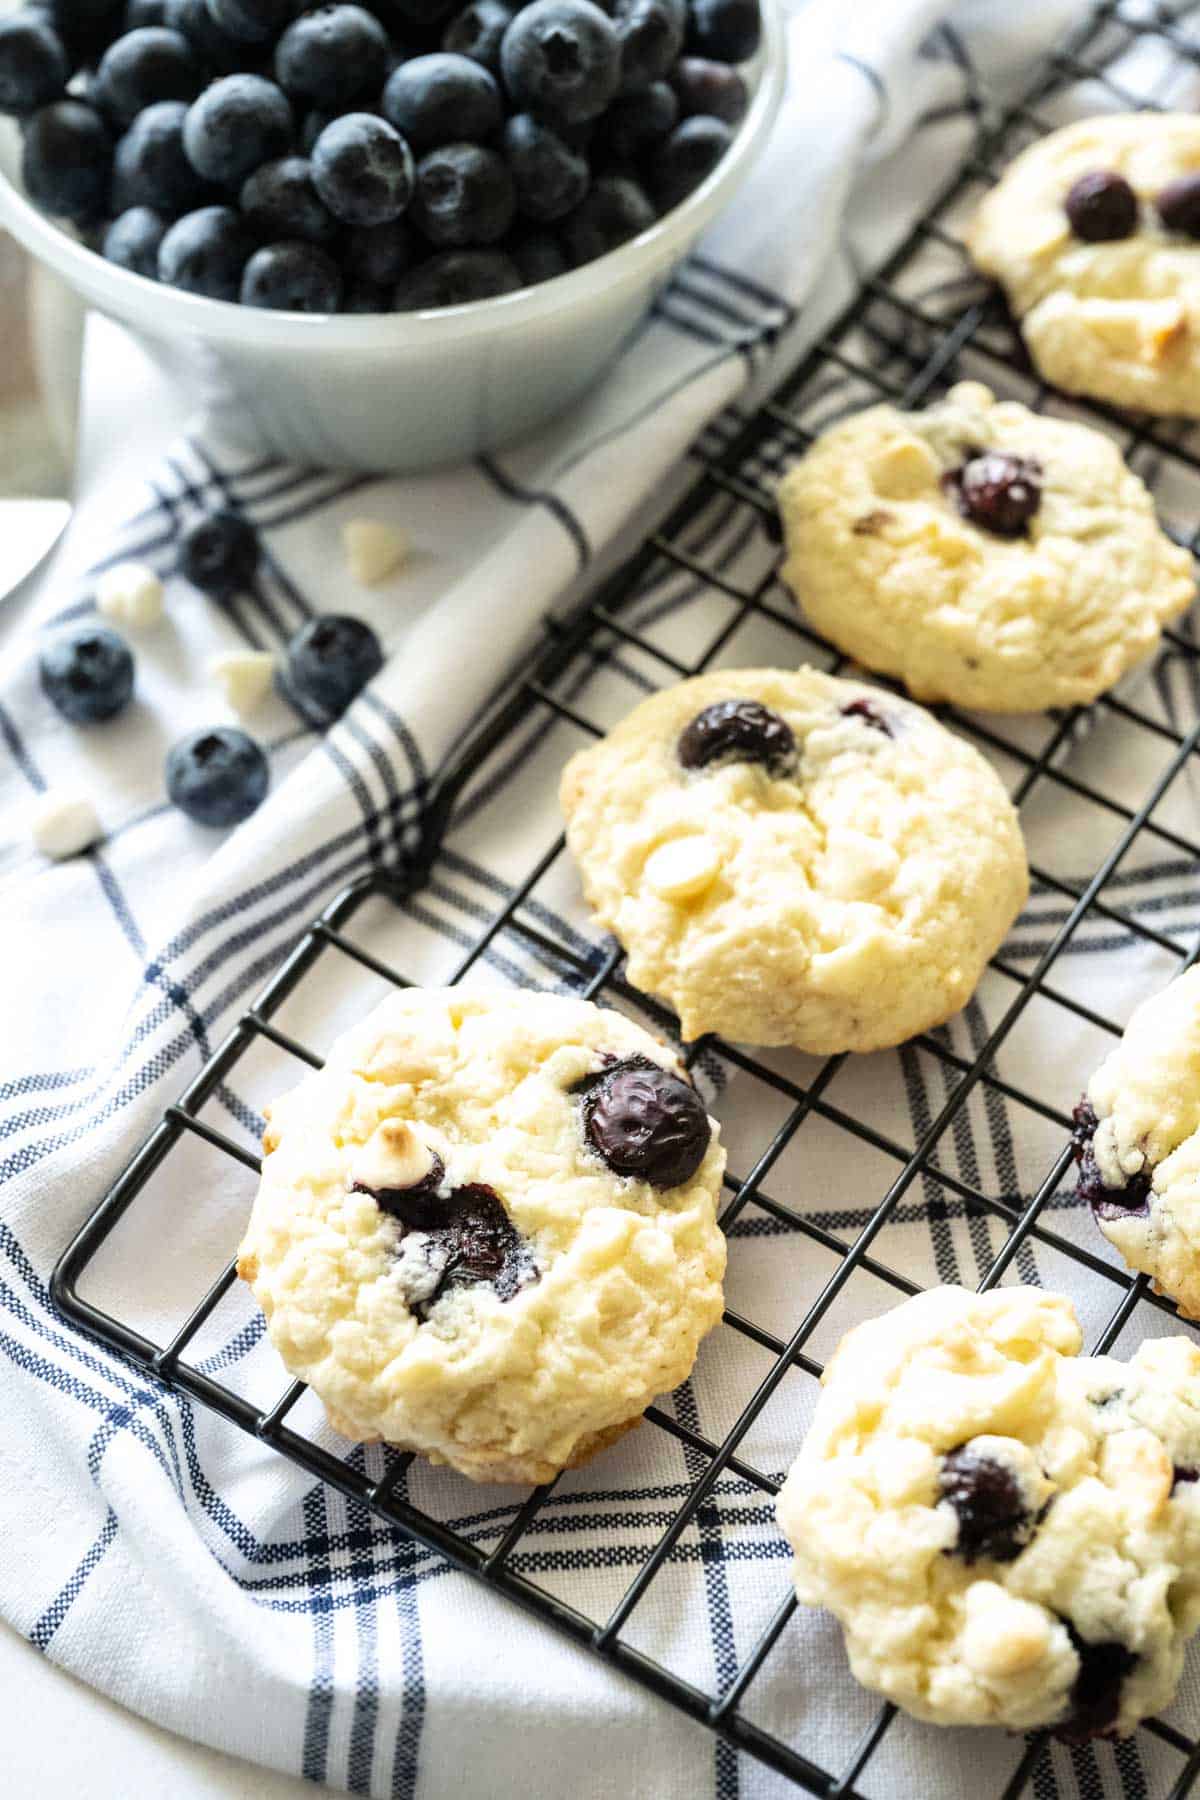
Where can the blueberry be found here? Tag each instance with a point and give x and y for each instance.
(561, 58)
(704, 86)
(467, 1240)
(205, 253)
(144, 12)
(279, 201)
(550, 179)
(333, 57)
(650, 33)
(154, 63)
(366, 297)
(328, 662)
(1133, 1199)
(993, 1520)
(1101, 206)
(691, 153)
(456, 278)
(132, 241)
(478, 31)
(1096, 1691)
(635, 123)
(726, 30)
(539, 257)
(377, 255)
(363, 170)
(442, 99)
(87, 673)
(33, 63)
(219, 554)
(464, 196)
(421, 13)
(417, 1206)
(292, 277)
(84, 30)
(614, 210)
(312, 125)
(1178, 205)
(251, 21)
(870, 714)
(996, 490)
(150, 166)
(645, 1122)
(738, 731)
(236, 124)
(217, 776)
(216, 50)
(66, 160)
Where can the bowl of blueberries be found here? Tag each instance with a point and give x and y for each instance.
(380, 236)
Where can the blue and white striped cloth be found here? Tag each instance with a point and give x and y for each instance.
(148, 1547)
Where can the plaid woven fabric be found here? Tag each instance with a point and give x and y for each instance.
(184, 1567)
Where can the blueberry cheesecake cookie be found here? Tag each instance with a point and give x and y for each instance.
(1094, 233)
(1007, 1531)
(792, 859)
(980, 553)
(1137, 1142)
(486, 1229)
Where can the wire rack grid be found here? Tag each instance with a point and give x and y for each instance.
(905, 338)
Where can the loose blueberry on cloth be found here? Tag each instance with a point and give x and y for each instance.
(252, 1609)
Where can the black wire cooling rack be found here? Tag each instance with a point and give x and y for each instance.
(904, 339)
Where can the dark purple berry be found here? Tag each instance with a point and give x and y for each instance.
(1179, 205)
(1101, 206)
(218, 53)
(456, 278)
(87, 673)
(142, 67)
(280, 202)
(366, 297)
(561, 58)
(738, 731)
(205, 253)
(377, 255)
(132, 241)
(217, 777)
(464, 197)
(329, 661)
(646, 1123)
(869, 713)
(550, 179)
(417, 1207)
(690, 154)
(635, 123)
(237, 124)
(472, 1242)
(703, 86)
(478, 31)
(144, 12)
(66, 161)
(726, 30)
(614, 209)
(292, 276)
(993, 1520)
(650, 34)
(333, 58)
(150, 166)
(1106, 1202)
(219, 554)
(996, 490)
(442, 99)
(1182, 1476)
(1096, 1690)
(256, 22)
(538, 256)
(363, 170)
(33, 63)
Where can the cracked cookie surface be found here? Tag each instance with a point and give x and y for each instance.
(444, 1250)
(980, 553)
(1007, 1531)
(788, 858)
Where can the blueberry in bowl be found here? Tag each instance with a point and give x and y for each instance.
(392, 237)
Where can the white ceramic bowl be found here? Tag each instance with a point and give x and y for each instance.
(403, 391)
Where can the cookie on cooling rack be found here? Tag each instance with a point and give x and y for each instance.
(981, 553)
(1008, 1532)
(793, 859)
(1093, 233)
(486, 1229)
(1137, 1142)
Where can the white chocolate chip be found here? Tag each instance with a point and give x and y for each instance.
(63, 823)
(130, 594)
(682, 868)
(392, 1157)
(244, 678)
(903, 469)
(374, 549)
(1003, 1635)
(1136, 1465)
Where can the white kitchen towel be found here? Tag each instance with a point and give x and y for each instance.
(148, 1546)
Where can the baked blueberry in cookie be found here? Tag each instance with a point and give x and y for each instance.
(789, 859)
(998, 1522)
(486, 1229)
(980, 552)
(1137, 1142)
(1091, 232)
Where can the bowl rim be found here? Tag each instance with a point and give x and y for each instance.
(166, 311)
